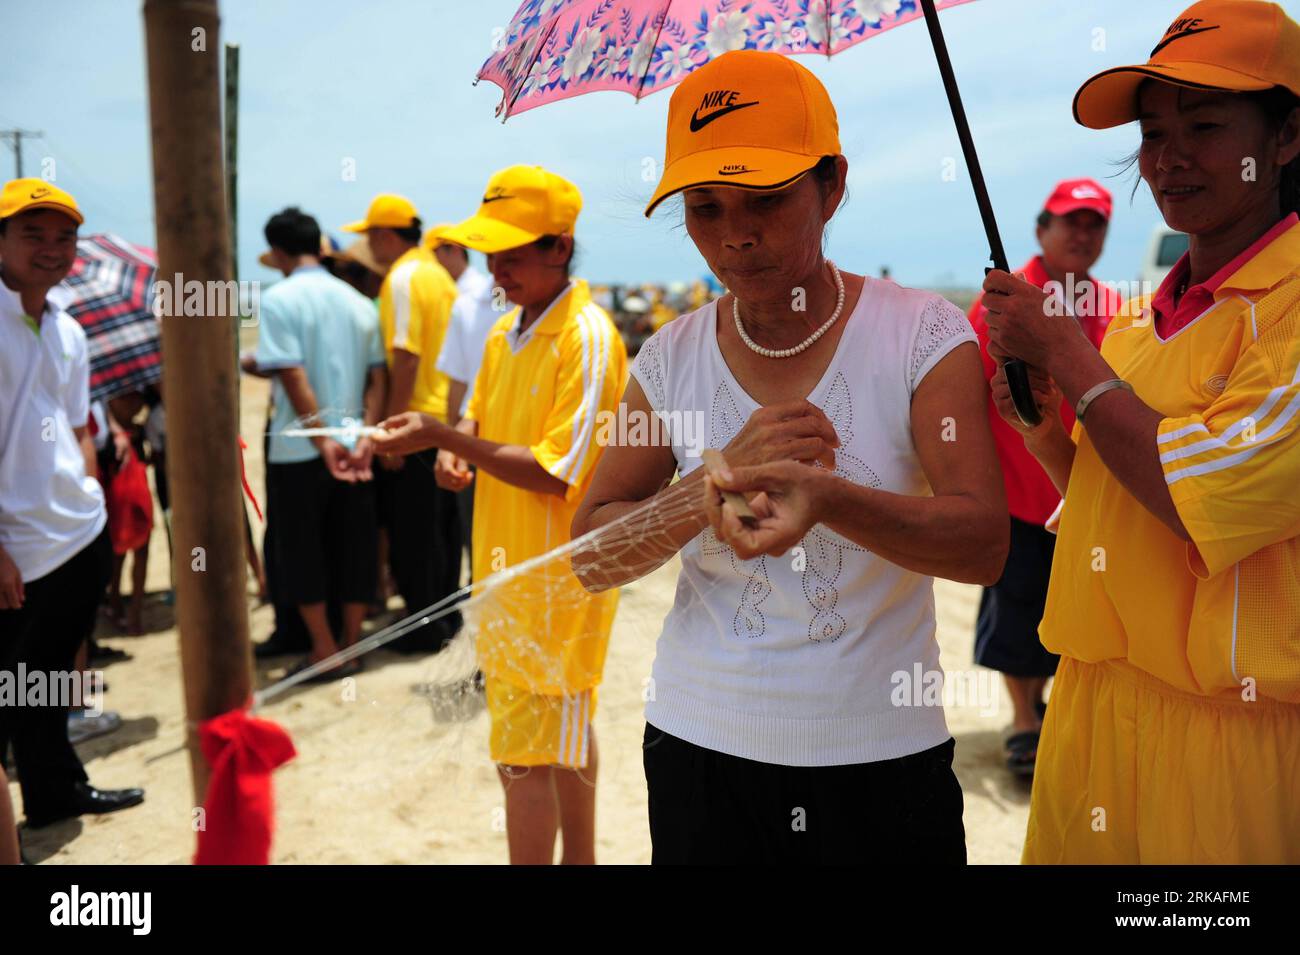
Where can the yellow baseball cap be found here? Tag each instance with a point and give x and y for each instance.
(387, 211)
(1221, 45)
(521, 204)
(433, 236)
(749, 118)
(24, 195)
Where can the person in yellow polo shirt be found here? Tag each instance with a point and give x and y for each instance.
(550, 368)
(1173, 729)
(423, 527)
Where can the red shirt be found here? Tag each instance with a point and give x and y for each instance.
(1174, 314)
(1031, 495)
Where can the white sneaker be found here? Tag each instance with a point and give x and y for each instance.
(82, 727)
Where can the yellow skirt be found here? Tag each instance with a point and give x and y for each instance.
(1131, 770)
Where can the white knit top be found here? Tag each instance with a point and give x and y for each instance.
(807, 659)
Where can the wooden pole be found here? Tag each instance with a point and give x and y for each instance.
(199, 373)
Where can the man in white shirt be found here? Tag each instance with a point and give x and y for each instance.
(472, 317)
(55, 555)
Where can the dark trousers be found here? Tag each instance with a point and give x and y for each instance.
(45, 633)
(1006, 631)
(423, 547)
(465, 508)
(709, 808)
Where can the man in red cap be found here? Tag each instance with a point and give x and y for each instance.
(1071, 231)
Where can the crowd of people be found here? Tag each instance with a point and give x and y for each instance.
(1138, 545)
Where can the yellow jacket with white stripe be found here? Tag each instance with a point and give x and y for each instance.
(1219, 616)
(550, 389)
(414, 311)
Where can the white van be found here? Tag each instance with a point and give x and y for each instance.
(1163, 252)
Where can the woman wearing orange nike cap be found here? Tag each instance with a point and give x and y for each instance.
(1173, 730)
(796, 711)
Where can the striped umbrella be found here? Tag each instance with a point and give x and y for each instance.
(111, 285)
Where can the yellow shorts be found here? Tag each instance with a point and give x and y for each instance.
(536, 729)
(1131, 770)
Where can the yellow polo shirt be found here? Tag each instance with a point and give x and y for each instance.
(414, 310)
(545, 389)
(1221, 613)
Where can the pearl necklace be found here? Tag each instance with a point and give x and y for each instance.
(807, 342)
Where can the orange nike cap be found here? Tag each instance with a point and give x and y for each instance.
(750, 118)
(23, 195)
(1223, 45)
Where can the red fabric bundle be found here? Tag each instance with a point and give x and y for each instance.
(239, 809)
(130, 505)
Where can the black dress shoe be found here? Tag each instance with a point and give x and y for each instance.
(85, 799)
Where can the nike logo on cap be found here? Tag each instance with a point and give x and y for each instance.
(496, 197)
(721, 102)
(40, 192)
(1180, 29)
(736, 170)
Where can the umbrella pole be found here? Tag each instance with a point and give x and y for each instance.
(199, 372)
(1017, 373)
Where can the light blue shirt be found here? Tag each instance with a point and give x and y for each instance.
(321, 324)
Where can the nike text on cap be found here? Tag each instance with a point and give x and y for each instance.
(24, 195)
(1224, 45)
(1072, 195)
(748, 118)
(520, 205)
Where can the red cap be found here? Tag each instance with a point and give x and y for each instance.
(1073, 194)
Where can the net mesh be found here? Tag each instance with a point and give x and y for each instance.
(437, 724)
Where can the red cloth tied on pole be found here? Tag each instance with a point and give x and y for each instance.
(242, 752)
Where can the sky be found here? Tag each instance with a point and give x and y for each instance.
(385, 88)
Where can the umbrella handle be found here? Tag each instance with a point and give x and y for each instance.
(1017, 374)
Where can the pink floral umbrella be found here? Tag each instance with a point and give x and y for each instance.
(554, 49)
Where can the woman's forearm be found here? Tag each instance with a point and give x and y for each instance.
(952, 536)
(651, 532)
(1123, 428)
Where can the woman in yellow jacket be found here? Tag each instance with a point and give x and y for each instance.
(1173, 730)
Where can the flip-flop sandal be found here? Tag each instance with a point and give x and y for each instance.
(1021, 750)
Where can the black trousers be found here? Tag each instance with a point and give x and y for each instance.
(424, 544)
(1006, 631)
(326, 535)
(708, 808)
(45, 633)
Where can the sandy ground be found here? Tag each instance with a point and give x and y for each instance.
(383, 776)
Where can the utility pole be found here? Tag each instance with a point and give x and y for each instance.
(15, 137)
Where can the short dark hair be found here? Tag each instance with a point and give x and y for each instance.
(4, 224)
(293, 231)
(410, 233)
(1277, 104)
(548, 242)
(1045, 219)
